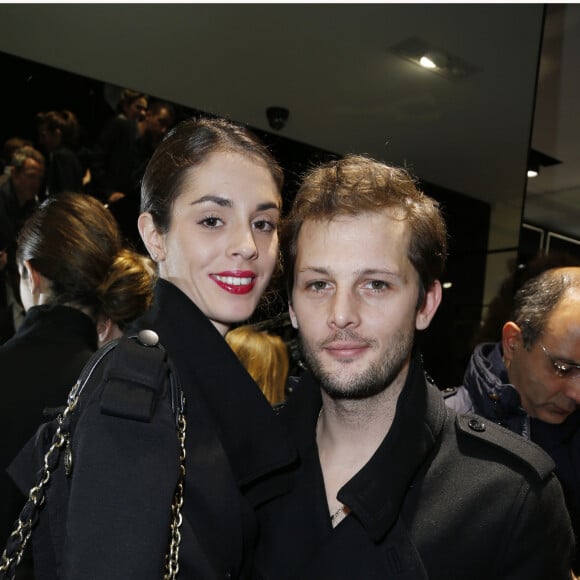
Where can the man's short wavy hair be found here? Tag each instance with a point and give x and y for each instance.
(356, 185)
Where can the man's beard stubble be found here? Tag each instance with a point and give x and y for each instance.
(373, 380)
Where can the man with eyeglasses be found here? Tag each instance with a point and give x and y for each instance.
(529, 382)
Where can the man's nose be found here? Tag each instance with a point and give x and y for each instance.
(344, 310)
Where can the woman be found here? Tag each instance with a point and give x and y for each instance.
(58, 135)
(65, 250)
(210, 207)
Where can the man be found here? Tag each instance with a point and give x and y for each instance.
(151, 130)
(392, 484)
(529, 381)
(19, 195)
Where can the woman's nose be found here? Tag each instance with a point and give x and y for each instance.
(245, 244)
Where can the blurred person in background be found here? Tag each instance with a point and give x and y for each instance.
(265, 357)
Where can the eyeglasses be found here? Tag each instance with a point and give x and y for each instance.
(563, 369)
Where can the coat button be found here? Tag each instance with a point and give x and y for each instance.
(476, 425)
(148, 338)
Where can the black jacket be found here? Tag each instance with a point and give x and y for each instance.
(115, 522)
(38, 367)
(444, 497)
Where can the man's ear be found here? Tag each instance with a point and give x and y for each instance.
(154, 241)
(429, 307)
(511, 336)
(293, 318)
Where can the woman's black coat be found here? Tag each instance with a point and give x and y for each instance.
(117, 517)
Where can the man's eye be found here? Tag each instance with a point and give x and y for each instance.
(377, 285)
(318, 285)
(565, 370)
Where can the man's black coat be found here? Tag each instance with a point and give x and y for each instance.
(444, 497)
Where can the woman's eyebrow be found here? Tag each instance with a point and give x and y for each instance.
(224, 202)
(267, 205)
(221, 201)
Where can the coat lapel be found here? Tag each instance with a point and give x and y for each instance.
(248, 430)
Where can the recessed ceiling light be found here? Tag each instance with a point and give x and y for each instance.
(536, 160)
(433, 58)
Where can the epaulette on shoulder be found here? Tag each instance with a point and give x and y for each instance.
(135, 377)
(515, 445)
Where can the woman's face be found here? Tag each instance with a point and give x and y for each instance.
(136, 109)
(222, 244)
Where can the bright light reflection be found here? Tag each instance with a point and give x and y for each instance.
(426, 62)
(532, 173)
(447, 285)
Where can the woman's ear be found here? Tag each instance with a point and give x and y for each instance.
(34, 278)
(35, 289)
(106, 330)
(154, 241)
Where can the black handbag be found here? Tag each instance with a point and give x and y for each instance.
(138, 369)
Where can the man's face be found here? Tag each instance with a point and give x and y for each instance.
(355, 302)
(547, 394)
(27, 180)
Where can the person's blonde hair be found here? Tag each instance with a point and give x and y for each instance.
(265, 357)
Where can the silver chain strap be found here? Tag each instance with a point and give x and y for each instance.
(172, 557)
(23, 527)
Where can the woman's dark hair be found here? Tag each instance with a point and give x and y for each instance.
(188, 145)
(72, 239)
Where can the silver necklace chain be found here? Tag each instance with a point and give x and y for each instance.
(342, 511)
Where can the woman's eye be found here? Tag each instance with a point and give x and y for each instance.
(211, 222)
(265, 225)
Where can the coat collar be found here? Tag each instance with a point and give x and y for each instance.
(376, 493)
(486, 380)
(255, 442)
(55, 322)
